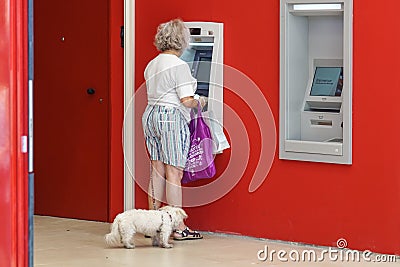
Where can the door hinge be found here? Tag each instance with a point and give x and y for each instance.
(24, 144)
(121, 35)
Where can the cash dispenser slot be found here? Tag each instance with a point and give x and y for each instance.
(321, 123)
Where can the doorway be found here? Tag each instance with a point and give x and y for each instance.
(71, 108)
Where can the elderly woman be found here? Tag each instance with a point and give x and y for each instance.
(171, 94)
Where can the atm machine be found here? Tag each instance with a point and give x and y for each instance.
(321, 114)
(316, 81)
(205, 58)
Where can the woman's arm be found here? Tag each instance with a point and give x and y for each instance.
(192, 102)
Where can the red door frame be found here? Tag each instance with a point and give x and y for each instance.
(13, 125)
(14, 232)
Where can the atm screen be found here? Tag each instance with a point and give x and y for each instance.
(199, 60)
(328, 81)
(203, 70)
(188, 56)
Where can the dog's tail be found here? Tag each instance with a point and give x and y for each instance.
(113, 239)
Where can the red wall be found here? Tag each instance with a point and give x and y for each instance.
(301, 201)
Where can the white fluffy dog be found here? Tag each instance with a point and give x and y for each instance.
(158, 224)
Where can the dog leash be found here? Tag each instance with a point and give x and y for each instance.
(170, 216)
(152, 187)
(162, 219)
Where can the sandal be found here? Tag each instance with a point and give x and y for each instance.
(187, 234)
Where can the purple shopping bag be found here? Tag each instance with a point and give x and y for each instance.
(200, 162)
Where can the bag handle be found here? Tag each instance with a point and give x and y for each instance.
(194, 116)
(199, 115)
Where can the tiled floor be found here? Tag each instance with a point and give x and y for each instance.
(67, 242)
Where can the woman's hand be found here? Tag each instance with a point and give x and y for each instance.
(203, 101)
(191, 102)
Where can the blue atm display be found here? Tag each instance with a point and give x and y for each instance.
(202, 69)
(328, 81)
(200, 62)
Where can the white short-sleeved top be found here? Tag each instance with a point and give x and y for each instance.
(168, 79)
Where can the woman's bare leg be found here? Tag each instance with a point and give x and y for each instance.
(174, 196)
(173, 186)
(174, 189)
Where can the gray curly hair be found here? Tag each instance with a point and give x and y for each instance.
(172, 35)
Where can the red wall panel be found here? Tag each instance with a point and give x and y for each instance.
(300, 201)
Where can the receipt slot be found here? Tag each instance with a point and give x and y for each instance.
(316, 81)
(205, 59)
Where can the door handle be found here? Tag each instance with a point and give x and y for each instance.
(90, 91)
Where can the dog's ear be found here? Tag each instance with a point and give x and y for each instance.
(182, 213)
